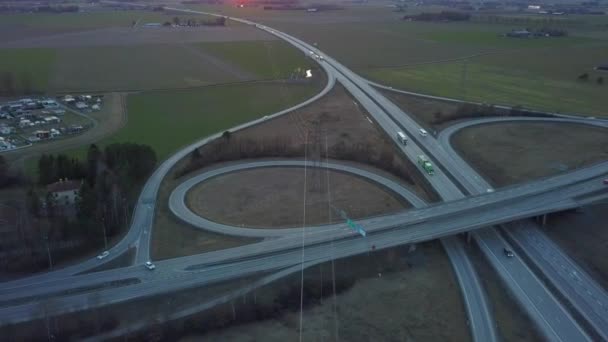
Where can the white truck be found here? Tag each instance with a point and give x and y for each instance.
(402, 138)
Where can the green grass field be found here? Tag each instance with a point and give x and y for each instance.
(28, 65)
(87, 20)
(167, 120)
(512, 78)
(266, 59)
(136, 67)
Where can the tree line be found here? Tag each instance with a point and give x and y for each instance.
(110, 182)
(11, 85)
(439, 16)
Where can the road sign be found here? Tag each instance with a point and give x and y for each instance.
(357, 228)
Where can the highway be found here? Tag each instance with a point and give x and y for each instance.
(575, 285)
(171, 275)
(458, 214)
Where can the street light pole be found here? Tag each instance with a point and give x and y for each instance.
(105, 238)
(48, 251)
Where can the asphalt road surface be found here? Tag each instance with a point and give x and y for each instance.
(457, 215)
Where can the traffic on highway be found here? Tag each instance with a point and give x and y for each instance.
(558, 295)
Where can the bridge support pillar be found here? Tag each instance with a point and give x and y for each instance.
(468, 235)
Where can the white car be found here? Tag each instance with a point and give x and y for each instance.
(103, 255)
(423, 132)
(150, 265)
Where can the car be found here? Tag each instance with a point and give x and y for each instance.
(508, 252)
(103, 255)
(150, 265)
(606, 181)
(488, 190)
(423, 132)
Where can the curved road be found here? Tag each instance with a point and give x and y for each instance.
(139, 233)
(390, 118)
(177, 200)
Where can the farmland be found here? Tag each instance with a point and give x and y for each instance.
(167, 120)
(30, 67)
(533, 82)
(268, 59)
(428, 57)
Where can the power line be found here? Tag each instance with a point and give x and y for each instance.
(333, 266)
(303, 237)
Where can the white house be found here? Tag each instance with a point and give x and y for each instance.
(64, 191)
(81, 105)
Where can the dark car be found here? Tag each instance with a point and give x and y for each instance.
(508, 253)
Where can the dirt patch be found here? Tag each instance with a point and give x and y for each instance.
(395, 295)
(510, 153)
(584, 235)
(275, 198)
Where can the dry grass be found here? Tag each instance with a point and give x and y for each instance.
(272, 197)
(510, 153)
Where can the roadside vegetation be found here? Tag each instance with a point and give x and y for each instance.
(516, 152)
(58, 217)
(273, 59)
(167, 120)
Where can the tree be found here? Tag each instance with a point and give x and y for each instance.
(600, 80)
(93, 156)
(583, 77)
(46, 169)
(176, 20)
(33, 202)
(4, 175)
(226, 135)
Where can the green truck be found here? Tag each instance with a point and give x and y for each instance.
(426, 165)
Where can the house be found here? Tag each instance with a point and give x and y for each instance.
(52, 120)
(15, 107)
(6, 130)
(64, 191)
(54, 133)
(68, 99)
(5, 145)
(25, 123)
(75, 129)
(95, 107)
(59, 111)
(49, 104)
(519, 34)
(42, 135)
(81, 105)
